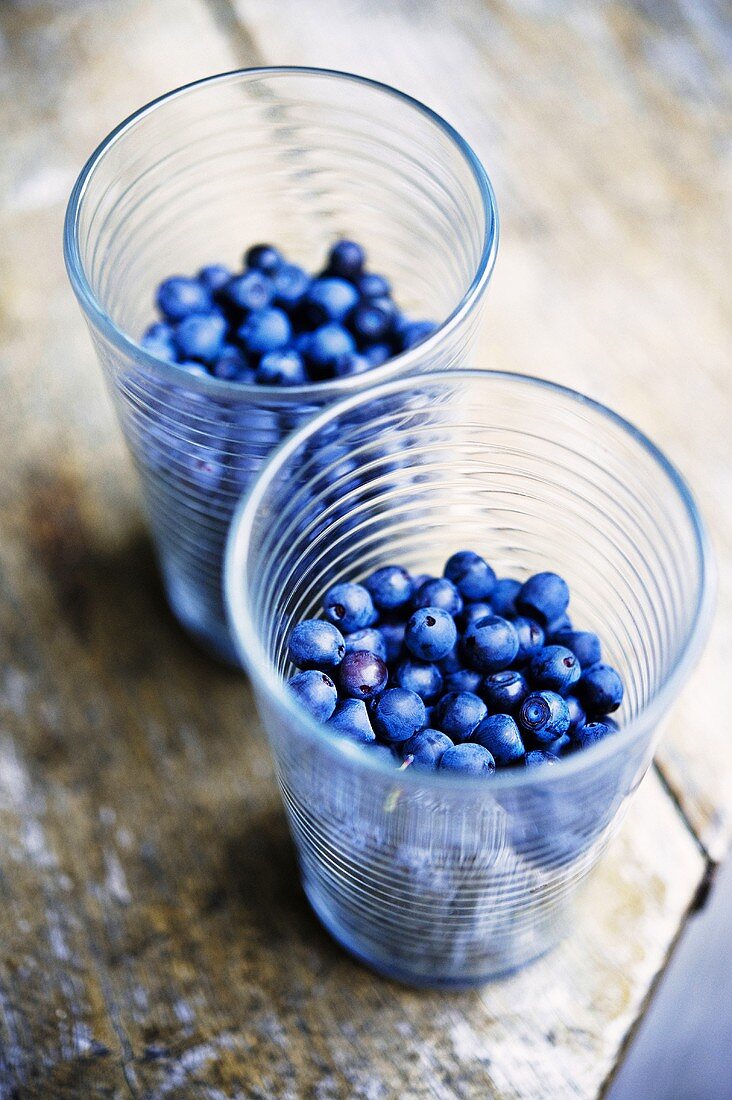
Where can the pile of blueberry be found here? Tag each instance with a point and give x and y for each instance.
(463, 672)
(275, 325)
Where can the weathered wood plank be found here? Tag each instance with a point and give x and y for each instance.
(213, 971)
(603, 128)
(154, 941)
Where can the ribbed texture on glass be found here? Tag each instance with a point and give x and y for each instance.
(429, 878)
(299, 159)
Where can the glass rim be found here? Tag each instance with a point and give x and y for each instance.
(245, 391)
(268, 682)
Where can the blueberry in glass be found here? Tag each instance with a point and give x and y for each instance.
(391, 588)
(351, 718)
(398, 714)
(468, 759)
(349, 607)
(544, 715)
(491, 644)
(459, 713)
(422, 677)
(555, 668)
(369, 639)
(501, 736)
(362, 675)
(504, 691)
(316, 644)
(315, 692)
(600, 690)
(425, 749)
(543, 597)
(471, 575)
(430, 633)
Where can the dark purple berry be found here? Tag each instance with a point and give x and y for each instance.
(362, 675)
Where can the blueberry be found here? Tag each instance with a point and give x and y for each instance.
(393, 635)
(585, 645)
(538, 757)
(543, 597)
(554, 668)
(504, 691)
(600, 690)
(544, 715)
(326, 347)
(158, 340)
(399, 714)
(316, 644)
(391, 587)
(352, 719)
(503, 597)
(430, 634)
(369, 640)
(458, 714)
(490, 644)
(370, 285)
(201, 336)
(349, 607)
(328, 300)
(178, 296)
(370, 321)
(556, 627)
(265, 330)
(471, 575)
(214, 277)
(316, 692)
(472, 613)
(560, 745)
(414, 332)
(281, 368)
(438, 592)
(421, 677)
(577, 716)
(246, 293)
(362, 675)
(377, 354)
(463, 679)
(530, 636)
(351, 364)
(290, 284)
(426, 748)
(232, 365)
(264, 258)
(468, 759)
(590, 734)
(346, 259)
(500, 735)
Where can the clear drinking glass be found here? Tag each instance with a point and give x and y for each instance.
(431, 878)
(298, 157)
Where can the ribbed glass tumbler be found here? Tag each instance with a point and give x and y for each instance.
(298, 158)
(433, 878)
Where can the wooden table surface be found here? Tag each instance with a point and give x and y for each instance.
(153, 939)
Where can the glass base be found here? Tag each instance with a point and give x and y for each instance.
(205, 624)
(502, 964)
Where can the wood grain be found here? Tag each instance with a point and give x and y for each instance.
(154, 939)
(603, 128)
